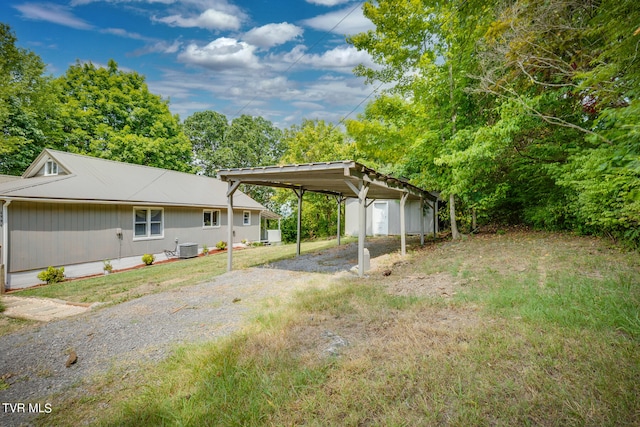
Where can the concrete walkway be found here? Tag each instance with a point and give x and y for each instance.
(41, 309)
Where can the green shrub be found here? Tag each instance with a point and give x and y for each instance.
(148, 259)
(52, 275)
(107, 266)
(205, 250)
(221, 245)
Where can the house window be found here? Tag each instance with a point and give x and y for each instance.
(211, 218)
(148, 223)
(50, 168)
(246, 218)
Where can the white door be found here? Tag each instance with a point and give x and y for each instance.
(380, 218)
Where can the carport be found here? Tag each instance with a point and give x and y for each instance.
(341, 179)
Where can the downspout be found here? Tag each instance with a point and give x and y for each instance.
(5, 243)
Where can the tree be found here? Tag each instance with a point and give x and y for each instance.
(426, 49)
(310, 142)
(111, 114)
(28, 105)
(245, 142)
(566, 76)
(206, 130)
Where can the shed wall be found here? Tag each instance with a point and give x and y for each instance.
(412, 217)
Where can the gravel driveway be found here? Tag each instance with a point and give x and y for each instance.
(33, 360)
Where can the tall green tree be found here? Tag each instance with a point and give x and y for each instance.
(206, 130)
(109, 113)
(566, 75)
(427, 50)
(310, 142)
(28, 105)
(245, 142)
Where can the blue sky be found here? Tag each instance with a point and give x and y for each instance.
(282, 60)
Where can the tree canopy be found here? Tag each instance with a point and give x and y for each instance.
(109, 113)
(246, 141)
(101, 112)
(309, 142)
(526, 111)
(28, 105)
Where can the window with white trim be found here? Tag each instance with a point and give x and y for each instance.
(211, 218)
(148, 223)
(50, 168)
(246, 218)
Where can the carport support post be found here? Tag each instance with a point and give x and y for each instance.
(362, 192)
(422, 221)
(403, 231)
(233, 186)
(435, 218)
(299, 192)
(339, 199)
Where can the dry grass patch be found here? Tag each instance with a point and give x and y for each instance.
(460, 334)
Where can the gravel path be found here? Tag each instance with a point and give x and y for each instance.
(147, 328)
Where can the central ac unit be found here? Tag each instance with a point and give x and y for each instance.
(187, 250)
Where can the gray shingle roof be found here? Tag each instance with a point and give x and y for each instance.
(91, 179)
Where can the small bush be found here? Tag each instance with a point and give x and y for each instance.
(221, 245)
(205, 250)
(148, 259)
(107, 266)
(52, 275)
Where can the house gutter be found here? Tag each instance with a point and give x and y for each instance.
(5, 243)
(127, 202)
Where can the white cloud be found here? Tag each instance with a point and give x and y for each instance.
(272, 34)
(340, 59)
(53, 13)
(159, 47)
(211, 19)
(126, 34)
(221, 54)
(346, 21)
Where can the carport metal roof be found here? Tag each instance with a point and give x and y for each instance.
(344, 178)
(328, 177)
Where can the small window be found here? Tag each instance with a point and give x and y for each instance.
(211, 218)
(50, 168)
(148, 223)
(246, 218)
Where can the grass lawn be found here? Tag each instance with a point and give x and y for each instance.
(522, 328)
(123, 286)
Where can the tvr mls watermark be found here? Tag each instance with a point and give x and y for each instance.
(26, 408)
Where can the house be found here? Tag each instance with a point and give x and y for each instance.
(383, 217)
(78, 211)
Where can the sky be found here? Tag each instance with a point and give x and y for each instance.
(282, 60)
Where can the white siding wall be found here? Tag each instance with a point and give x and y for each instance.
(412, 217)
